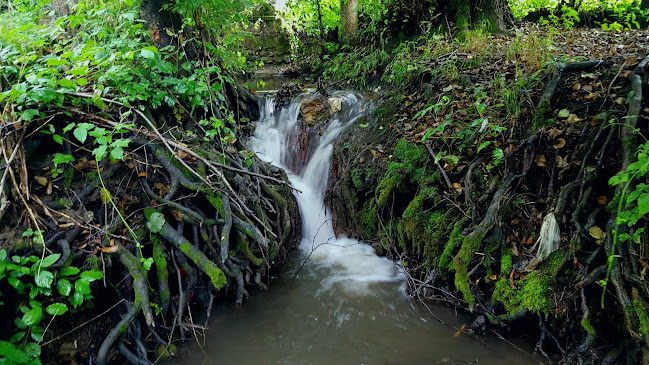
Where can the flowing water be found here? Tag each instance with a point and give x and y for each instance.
(337, 302)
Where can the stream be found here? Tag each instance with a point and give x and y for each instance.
(336, 302)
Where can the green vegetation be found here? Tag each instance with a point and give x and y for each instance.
(33, 283)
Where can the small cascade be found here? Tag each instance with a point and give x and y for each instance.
(351, 263)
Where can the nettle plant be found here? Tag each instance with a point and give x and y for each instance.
(39, 294)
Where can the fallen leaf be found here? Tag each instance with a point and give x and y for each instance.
(42, 181)
(182, 154)
(109, 249)
(560, 143)
(493, 277)
(620, 101)
(458, 188)
(178, 215)
(573, 118)
(540, 160)
(564, 113)
(554, 132)
(602, 200)
(142, 174)
(562, 162)
(48, 190)
(597, 233)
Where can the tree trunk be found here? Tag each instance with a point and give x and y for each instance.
(349, 20)
(494, 14)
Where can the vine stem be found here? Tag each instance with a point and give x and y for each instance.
(612, 256)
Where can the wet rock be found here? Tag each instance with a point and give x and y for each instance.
(336, 104)
(315, 111)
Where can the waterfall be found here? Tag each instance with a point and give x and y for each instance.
(350, 265)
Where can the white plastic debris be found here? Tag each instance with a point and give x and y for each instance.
(549, 237)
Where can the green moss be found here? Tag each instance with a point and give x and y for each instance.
(217, 202)
(385, 188)
(162, 271)
(208, 267)
(588, 327)
(641, 312)
(530, 296)
(541, 118)
(506, 263)
(454, 240)
(470, 246)
(368, 219)
(245, 249)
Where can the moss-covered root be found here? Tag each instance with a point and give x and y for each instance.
(140, 283)
(115, 333)
(163, 276)
(193, 253)
(470, 246)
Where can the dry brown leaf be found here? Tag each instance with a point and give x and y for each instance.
(602, 200)
(109, 249)
(178, 215)
(560, 143)
(182, 154)
(458, 188)
(42, 181)
(573, 118)
(142, 174)
(562, 162)
(48, 190)
(515, 222)
(493, 277)
(540, 160)
(554, 132)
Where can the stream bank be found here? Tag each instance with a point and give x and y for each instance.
(487, 175)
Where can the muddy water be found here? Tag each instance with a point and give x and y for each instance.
(337, 303)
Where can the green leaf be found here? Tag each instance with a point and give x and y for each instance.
(117, 153)
(67, 83)
(18, 336)
(44, 279)
(12, 353)
(155, 222)
(29, 114)
(100, 152)
(55, 62)
(37, 333)
(61, 158)
(82, 286)
(64, 287)
(69, 271)
(50, 260)
(33, 317)
(82, 81)
(58, 139)
(76, 299)
(91, 275)
(147, 53)
(56, 309)
(643, 204)
(80, 134)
